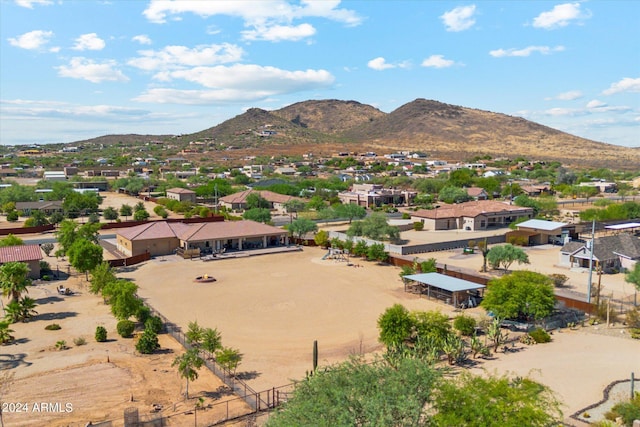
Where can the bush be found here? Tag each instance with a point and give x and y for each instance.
(635, 333)
(540, 335)
(465, 324)
(53, 327)
(558, 279)
(125, 328)
(418, 226)
(628, 410)
(406, 215)
(601, 312)
(143, 314)
(79, 341)
(47, 248)
(45, 277)
(154, 323)
(148, 342)
(633, 318)
(61, 345)
(518, 240)
(101, 334)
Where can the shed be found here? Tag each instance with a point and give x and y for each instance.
(449, 289)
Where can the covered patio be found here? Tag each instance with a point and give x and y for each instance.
(453, 291)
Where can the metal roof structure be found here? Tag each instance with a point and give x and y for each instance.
(443, 281)
(541, 224)
(623, 226)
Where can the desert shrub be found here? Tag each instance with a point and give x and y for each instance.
(13, 216)
(627, 410)
(601, 311)
(46, 277)
(101, 334)
(143, 314)
(540, 335)
(518, 240)
(527, 339)
(154, 323)
(418, 226)
(635, 333)
(465, 325)
(125, 328)
(406, 215)
(53, 327)
(61, 345)
(558, 279)
(47, 248)
(79, 341)
(633, 318)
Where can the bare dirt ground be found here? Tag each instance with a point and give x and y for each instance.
(96, 381)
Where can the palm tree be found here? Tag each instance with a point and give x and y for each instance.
(14, 279)
(188, 364)
(27, 308)
(5, 332)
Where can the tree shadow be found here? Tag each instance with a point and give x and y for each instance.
(55, 316)
(218, 393)
(12, 361)
(48, 300)
(164, 351)
(20, 341)
(247, 375)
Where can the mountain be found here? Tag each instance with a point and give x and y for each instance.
(450, 132)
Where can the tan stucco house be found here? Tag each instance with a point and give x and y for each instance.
(29, 254)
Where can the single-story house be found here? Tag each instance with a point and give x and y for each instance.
(542, 232)
(371, 195)
(471, 216)
(537, 190)
(163, 238)
(477, 193)
(29, 254)
(181, 195)
(46, 207)
(610, 253)
(238, 201)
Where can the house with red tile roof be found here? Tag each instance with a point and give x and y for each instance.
(29, 254)
(472, 216)
(238, 201)
(163, 238)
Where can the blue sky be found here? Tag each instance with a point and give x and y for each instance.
(72, 70)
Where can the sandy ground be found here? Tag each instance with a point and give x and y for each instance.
(272, 307)
(96, 381)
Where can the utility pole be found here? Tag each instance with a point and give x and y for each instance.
(593, 234)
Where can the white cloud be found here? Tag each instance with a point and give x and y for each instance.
(595, 104)
(567, 96)
(627, 84)
(142, 39)
(278, 33)
(266, 20)
(31, 40)
(437, 61)
(29, 3)
(83, 68)
(545, 50)
(564, 112)
(235, 83)
(89, 41)
(459, 19)
(171, 57)
(560, 16)
(380, 64)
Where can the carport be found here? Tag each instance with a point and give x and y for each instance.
(461, 293)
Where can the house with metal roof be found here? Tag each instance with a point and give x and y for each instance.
(181, 194)
(164, 238)
(610, 253)
(542, 232)
(29, 254)
(451, 290)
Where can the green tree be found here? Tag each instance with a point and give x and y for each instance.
(356, 393)
(505, 255)
(211, 340)
(294, 206)
(229, 358)
(258, 215)
(21, 310)
(188, 365)
(70, 231)
(194, 334)
(520, 295)
(256, 201)
(490, 401)
(453, 195)
(322, 238)
(84, 256)
(302, 226)
(101, 276)
(374, 227)
(14, 279)
(395, 326)
(11, 240)
(141, 215)
(36, 219)
(110, 214)
(126, 211)
(376, 252)
(633, 276)
(121, 294)
(350, 211)
(148, 342)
